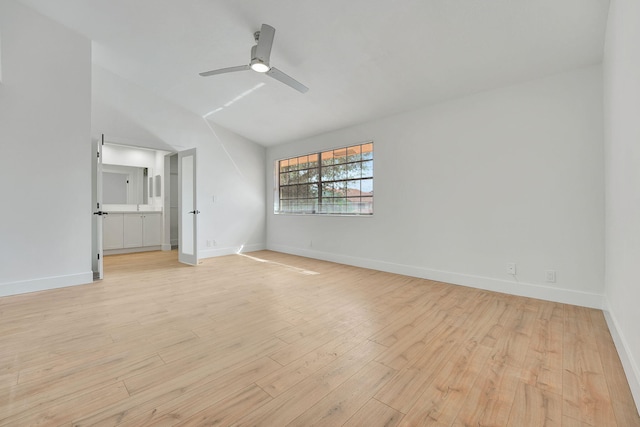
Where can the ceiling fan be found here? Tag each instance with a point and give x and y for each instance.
(260, 54)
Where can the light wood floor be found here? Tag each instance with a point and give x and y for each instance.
(300, 342)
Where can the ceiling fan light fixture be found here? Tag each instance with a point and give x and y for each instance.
(259, 66)
(260, 54)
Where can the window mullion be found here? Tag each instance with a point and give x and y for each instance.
(295, 196)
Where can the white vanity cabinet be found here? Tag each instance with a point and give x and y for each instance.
(132, 231)
(113, 231)
(152, 229)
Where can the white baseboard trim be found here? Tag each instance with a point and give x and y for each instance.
(132, 250)
(45, 283)
(211, 253)
(165, 247)
(629, 364)
(566, 296)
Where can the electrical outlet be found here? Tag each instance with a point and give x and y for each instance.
(310, 243)
(208, 243)
(550, 276)
(215, 243)
(511, 268)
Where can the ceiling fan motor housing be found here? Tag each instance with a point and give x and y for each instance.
(256, 63)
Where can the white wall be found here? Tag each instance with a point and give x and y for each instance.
(45, 166)
(128, 156)
(230, 172)
(464, 187)
(622, 165)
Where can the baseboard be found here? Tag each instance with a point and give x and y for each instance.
(566, 296)
(45, 283)
(165, 247)
(630, 365)
(132, 250)
(215, 252)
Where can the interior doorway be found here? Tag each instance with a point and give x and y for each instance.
(187, 207)
(130, 202)
(155, 221)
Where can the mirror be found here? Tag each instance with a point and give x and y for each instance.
(125, 185)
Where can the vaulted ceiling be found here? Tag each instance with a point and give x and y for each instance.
(361, 59)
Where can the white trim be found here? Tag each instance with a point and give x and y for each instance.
(45, 283)
(629, 364)
(165, 247)
(566, 296)
(211, 253)
(132, 250)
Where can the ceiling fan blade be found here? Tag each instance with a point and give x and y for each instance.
(265, 41)
(289, 81)
(225, 70)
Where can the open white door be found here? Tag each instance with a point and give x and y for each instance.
(187, 208)
(98, 214)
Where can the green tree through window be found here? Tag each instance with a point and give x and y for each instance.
(336, 181)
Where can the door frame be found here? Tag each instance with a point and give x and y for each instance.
(97, 250)
(96, 203)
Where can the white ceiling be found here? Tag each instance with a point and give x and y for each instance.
(361, 59)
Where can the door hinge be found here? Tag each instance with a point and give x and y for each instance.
(98, 256)
(98, 154)
(98, 206)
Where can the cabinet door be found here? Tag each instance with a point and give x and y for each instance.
(112, 231)
(152, 229)
(132, 230)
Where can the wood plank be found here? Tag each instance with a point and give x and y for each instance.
(402, 392)
(261, 341)
(201, 365)
(585, 392)
(343, 402)
(491, 398)
(225, 412)
(535, 407)
(296, 371)
(375, 414)
(64, 410)
(205, 394)
(442, 399)
(32, 396)
(542, 366)
(299, 398)
(426, 336)
(619, 391)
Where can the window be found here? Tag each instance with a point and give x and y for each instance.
(331, 182)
